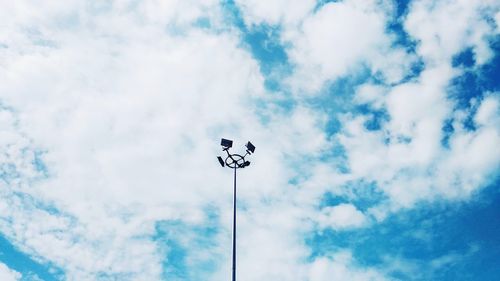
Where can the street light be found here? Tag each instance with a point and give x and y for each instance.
(234, 161)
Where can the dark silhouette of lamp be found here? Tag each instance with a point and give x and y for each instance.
(234, 161)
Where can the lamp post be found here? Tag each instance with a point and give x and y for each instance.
(234, 161)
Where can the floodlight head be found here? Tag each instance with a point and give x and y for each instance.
(221, 161)
(246, 164)
(250, 147)
(226, 143)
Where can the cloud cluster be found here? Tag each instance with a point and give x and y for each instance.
(342, 216)
(340, 267)
(328, 46)
(441, 36)
(115, 116)
(110, 114)
(7, 274)
(407, 157)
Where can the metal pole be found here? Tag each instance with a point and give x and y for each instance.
(234, 227)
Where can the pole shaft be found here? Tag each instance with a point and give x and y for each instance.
(234, 227)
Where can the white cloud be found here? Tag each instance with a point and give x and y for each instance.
(371, 94)
(488, 111)
(126, 103)
(175, 12)
(114, 110)
(275, 12)
(474, 156)
(329, 44)
(342, 216)
(128, 116)
(7, 274)
(340, 267)
(447, 27)
(406, 158)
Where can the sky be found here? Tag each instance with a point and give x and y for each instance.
(376, 125)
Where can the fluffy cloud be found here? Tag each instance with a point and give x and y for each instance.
(342, 216)
(8, 274)
(329, 46)
(110, 114)
(121, 122)
(341, 267)
(406, 158)
(445, 28)
(275, 12)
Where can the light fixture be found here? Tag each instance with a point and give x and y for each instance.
(250, 148)
(221, 161)
(226, 143)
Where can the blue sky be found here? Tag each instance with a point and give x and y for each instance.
(376, 123)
